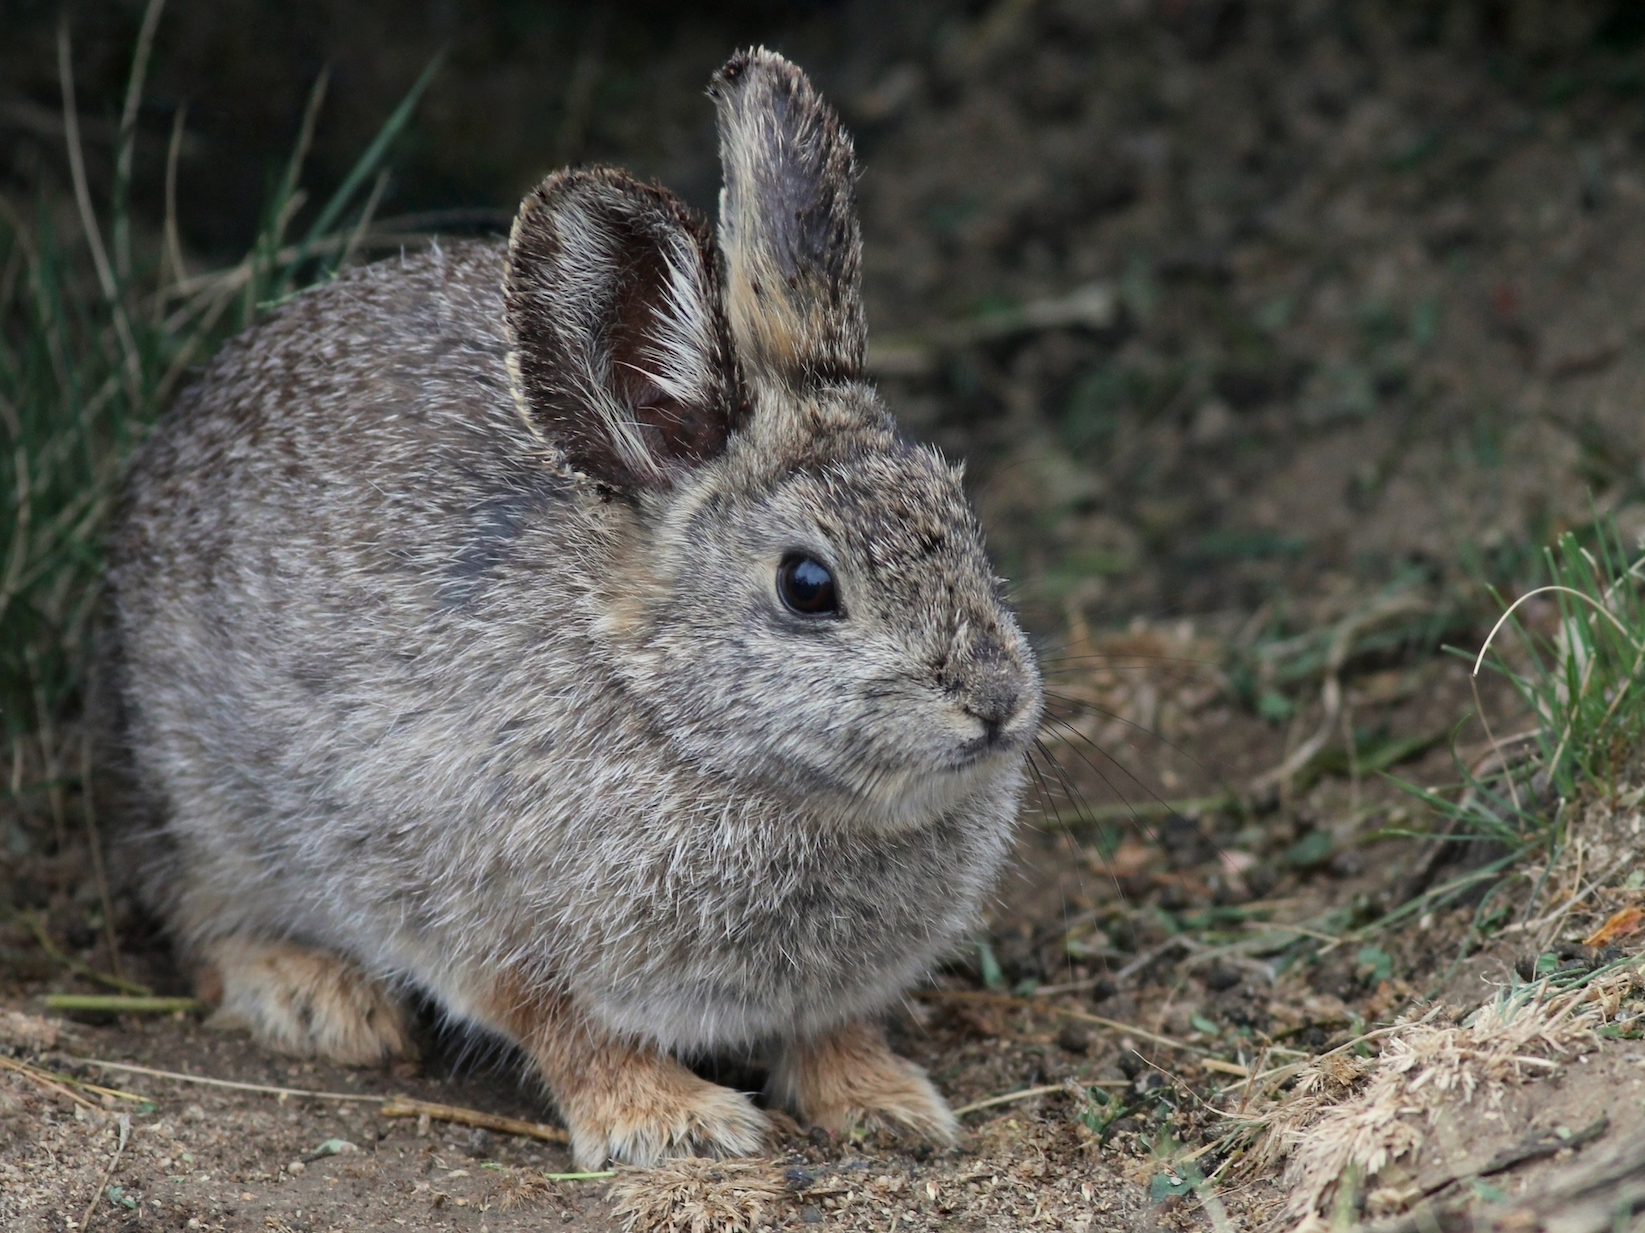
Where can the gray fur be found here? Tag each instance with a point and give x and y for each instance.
(423, 661)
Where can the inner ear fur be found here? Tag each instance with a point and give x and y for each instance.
(788, 223)
(619, 351)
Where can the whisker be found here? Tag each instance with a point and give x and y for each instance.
(1135, 817)
(1123, 769)
(1216, 776)
(1143, 656)
(1045, 788)
(1070, 789)
(1152, 834)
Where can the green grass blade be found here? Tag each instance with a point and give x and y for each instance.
(367, 162)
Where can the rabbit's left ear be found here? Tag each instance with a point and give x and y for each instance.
(788, 224)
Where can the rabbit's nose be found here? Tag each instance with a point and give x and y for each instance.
(995, 700)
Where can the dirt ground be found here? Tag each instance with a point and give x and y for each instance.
(1356, 327)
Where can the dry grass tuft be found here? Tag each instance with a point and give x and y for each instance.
(1352, 1117)
(697, 1196)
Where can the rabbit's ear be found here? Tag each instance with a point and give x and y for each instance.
(788, 223)
(619, 350)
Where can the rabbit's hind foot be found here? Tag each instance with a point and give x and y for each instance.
(305, 1002)
(850, 1078)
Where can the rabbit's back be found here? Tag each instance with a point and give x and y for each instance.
(304, 545)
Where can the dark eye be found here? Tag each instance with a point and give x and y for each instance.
(806, 586)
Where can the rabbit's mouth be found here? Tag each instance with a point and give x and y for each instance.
(998, 737)
(991, 744)
(912, 800)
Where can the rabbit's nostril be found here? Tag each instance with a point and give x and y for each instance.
(995, 703)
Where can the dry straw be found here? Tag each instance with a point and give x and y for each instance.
(1350, 1117)
(698, 1196)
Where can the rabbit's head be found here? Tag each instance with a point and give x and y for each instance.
(794, 594)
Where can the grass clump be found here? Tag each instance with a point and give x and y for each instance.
(1573, 650)
(97, 329)
(1584, 683)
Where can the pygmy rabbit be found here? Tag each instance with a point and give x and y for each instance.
(564, 631)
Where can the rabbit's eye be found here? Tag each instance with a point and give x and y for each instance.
(806, 586)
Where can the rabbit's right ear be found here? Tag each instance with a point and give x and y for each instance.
(619, 352)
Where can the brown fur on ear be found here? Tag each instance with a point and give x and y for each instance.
(619, 352)
(788, 222)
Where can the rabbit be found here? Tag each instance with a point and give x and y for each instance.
(561, 631)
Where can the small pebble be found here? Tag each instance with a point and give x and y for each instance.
(1151, 1081)
(1074, 1038)
(295, 1167)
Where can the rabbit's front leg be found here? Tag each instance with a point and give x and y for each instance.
(624, 1101)
(851, 1078)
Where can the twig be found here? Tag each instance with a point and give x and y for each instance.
(1073, 986)
(1093, 306)
(1479, 709)
(1291, 1067)
(1113, 1025)
(366, 212)
(392, 1106)
(403, 1106)
(1593, 603)
(38, 928)
(124, 1122)
(178, 1077)
(112, 1093)
(1008, 1098)
(1144, 811)
(1251, 1077)
(593, 1175)
(174, 244)
(1147, 957)
(121, 1004)
(1337, 655)
(40, 1077)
